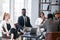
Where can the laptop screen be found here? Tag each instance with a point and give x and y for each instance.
(33, 31)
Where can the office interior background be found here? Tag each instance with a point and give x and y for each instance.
(33, 7)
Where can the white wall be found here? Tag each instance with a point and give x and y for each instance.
(27, 5)
(12, 10)
(1, 9)
(34, 11)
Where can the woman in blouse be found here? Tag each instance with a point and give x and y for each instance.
(9, 26)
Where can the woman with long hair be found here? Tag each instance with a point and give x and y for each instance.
(10, 29)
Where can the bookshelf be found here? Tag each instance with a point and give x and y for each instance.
(44, 10)
(49, 6)
(45, 2)
(54, 4)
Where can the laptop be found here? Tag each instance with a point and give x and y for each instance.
(33, 31)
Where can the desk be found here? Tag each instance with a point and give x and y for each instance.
(30, 36)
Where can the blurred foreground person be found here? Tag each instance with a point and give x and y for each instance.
(51, 26)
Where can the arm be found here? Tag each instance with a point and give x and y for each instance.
(3, 26)
(44, 25)
(29, 24)
(19, 24)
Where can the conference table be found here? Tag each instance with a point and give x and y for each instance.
(30, 37)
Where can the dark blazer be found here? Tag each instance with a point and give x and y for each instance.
(21, 22)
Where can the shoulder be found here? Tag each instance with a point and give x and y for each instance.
(20, 16)
(2, 23)
(55, 20)
(27, 16)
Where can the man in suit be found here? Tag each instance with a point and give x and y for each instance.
(23, 21)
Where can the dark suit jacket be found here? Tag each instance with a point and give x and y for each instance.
(21, 22)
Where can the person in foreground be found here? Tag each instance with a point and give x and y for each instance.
(51, 26)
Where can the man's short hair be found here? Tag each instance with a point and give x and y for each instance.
(23, 9)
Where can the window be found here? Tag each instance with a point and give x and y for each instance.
(14, 8)
(19, 4)
(5, 6)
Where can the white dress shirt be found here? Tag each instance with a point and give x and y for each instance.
(37, 24)
(25, 19)
(38, 21)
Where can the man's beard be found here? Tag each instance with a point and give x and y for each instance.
(24, 14)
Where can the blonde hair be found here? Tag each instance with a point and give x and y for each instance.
(6, 14)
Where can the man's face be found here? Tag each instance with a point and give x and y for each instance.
(24, 12)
